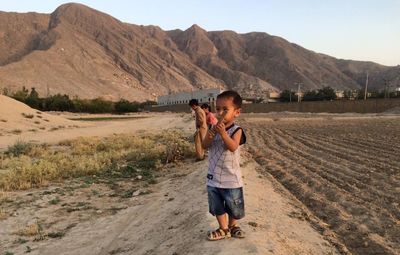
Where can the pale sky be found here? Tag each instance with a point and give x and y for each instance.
(367, 30)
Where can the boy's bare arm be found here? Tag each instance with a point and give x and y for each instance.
(232, 143)
(208, 138)
(212, 132)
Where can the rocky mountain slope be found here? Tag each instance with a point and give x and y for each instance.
(82, 52)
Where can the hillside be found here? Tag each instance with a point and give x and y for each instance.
(82, 52)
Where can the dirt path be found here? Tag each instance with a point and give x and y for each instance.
(174, 220)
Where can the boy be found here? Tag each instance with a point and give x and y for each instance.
(210, 118)
(201, 128)
(224, 178)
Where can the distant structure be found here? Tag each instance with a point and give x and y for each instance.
(272, 97)
(339, 94)
(204, 96)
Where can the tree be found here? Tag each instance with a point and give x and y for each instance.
(58, 103)
(125, 106)
(311, 95)
(326, 93)
(21, 95)
(349, 94)
(6, 91)
(33, 99)
(288, 96)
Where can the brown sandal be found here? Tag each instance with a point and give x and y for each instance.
(218, 234)
(236, 231)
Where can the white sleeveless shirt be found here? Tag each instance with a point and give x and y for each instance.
(223, 164)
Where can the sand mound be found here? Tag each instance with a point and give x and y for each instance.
(17, 117)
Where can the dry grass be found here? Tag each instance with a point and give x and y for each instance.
(27, 115)
(4, 196)
(25, 166)
(30, 230)
(16, 131)
(3, 214)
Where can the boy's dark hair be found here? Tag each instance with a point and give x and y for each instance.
(237, 99)
(206, 106)
(193, 102)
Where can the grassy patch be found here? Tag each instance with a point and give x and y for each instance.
(3, 214)
(55, 201)
(56, 234)
(18, 148)
(20, 241)
(4, 196)
(28, 165)
(28, 116)
(16, 131)
(34, 229)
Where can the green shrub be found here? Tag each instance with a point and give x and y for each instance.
(97, 105)
(19, 148)
(58, 103)
(125, 106)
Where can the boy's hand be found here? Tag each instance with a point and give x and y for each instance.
(211, 133)
(220, 128)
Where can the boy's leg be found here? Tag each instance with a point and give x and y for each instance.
(216, 207)
(235, 230)
(222, 221)
(232, 221)
(223, 231)
(235, 209)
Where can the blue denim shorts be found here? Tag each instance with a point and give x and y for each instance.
(230, 201)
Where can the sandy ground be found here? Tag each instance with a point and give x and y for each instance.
(18, 122)
(144, 123)
(307, 192)
(174, 220)
(17, 118)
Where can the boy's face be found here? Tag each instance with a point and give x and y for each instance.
(226, 109)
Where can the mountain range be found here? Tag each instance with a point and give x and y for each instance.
(84, 53)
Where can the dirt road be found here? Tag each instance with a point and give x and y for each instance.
(174, 220)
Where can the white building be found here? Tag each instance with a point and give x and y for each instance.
(204, 96)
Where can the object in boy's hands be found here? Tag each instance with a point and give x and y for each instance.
(221, 117)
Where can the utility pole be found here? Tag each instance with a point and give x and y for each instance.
(385, 81)
(290, 95)
(366, 88)
(298, 92)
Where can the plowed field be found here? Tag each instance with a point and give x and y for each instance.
(345, 170)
